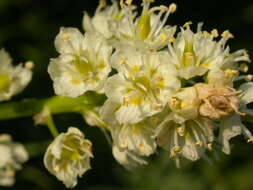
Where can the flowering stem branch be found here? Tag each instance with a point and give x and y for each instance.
(56, 105)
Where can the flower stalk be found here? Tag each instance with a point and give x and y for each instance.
(56, 105)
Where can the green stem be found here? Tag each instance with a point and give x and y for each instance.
(56, 105)
(51, 126)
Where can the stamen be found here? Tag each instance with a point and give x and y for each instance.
(244, 68)
(65, 37)
(102, 4)
(172, 7)
(215, 33)
(249, 78)
(199, 143)
(129, 2)
(227, 34)
(29, 65)
(176, 149)
(187, 24)
(181, 131)
(231, 72)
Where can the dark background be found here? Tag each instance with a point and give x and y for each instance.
(27, 32)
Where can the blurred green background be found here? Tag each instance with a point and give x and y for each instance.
(27, 31)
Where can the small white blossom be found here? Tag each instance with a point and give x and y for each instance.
(83, 63)
(189, 139)
(12, 156)
(147, 30)
(104, 19)
(196, 53)
(68, 156)
(130, 141)
(13, 79)
(143, 85)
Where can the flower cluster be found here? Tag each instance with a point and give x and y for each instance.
(164, 89)
(12, 156)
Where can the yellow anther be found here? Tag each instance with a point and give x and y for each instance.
(199, 143)
(172, 39)
(181, 131)
(183, 105)
(231, 72)
(176, 149)
(136, 68)
(244, 68)
(227, 34)
(215, 33)
(210, 146)
(172, 7)
(206, 34)
(29, 65)
(250, 140)
(122, 60)
(173, 155)
(187, 24)
(175, 103)
(249, 78)
(123, 144)
(129, 2)
(65, 36)
(142, 148)
(102, 3)
(163, 37)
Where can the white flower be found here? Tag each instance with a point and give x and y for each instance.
(12, 156)
(130, 141)
(195, 53)
(13, 79)
(68, 156)
(146, 31)
(83, 63)
(104, 19)
(143, 85)
(189, 139)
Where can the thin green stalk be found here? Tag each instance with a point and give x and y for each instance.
(56, 105)
(51, 126)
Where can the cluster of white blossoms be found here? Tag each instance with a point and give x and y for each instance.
(13, 79)
(12, 156)
(164, 89)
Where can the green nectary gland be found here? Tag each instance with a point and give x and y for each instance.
(144, 25)
(4, 82)
(83, 67)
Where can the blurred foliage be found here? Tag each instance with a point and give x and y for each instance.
(27, 31)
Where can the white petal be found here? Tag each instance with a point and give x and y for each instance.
(229, 128)
(247, 92)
